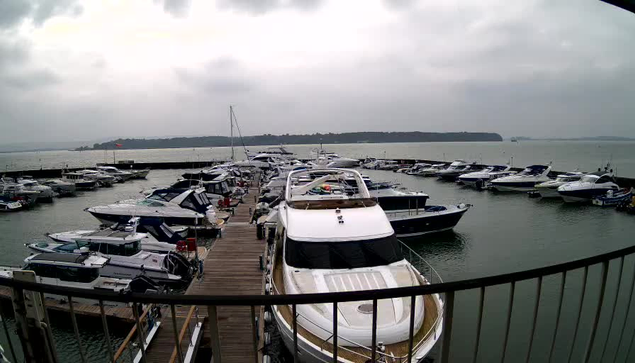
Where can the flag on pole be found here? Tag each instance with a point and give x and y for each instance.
(118, 145)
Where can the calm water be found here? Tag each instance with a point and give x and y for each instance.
(564, 155)
(501, 233)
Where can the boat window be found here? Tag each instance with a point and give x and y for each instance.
(42, 270)
(150, 203)
(187, 203)
(604, 179)
(126, 249)
(342, 255)
(77, 274)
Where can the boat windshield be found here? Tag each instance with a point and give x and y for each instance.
(125, 249)
(64, 273)
(589, 178)
(343, 255)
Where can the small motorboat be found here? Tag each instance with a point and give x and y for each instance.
(549, 189)
(416, 168)
(588, 187)
(479, 179)
(8, 204)
(426, 219)
(139, 173)
(612, 199)
(525, 181)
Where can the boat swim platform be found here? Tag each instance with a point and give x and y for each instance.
(231, 267)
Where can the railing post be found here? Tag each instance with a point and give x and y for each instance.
(626, 314)
(617, 295)
(140, 336)
(479, 323)
(447, 326)
(254, 332)
(411, 330)
(510, 309)
(535, 318)
(373, 347)
(555, 330)
(22, 324)
(104, 323)
(214, 335)
(335, 316)
(598, 311)
(577, 323)
(76, 329)
(295, 333)
(177, 341)
(6, 332)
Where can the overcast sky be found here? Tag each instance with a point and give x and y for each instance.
(92, 69)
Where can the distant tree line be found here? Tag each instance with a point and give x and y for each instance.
(268, 139)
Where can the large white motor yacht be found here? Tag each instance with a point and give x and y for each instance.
(354, 248)
(111, 170)
(589, 186)
(525, 181)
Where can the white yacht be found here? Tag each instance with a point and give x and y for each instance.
(337, 257)
(126, 259)
(158, 237)
(45, 193)
(103, 179)
(416, 168)
(325, 159)
(525, 181)
(549, 189)
(61, 187)
(175, 207)
(79, 181)
(111, 170)
(262, 161)
(456, 168)
(589, 186)
(68, 270)
(17, 192)
(432, 170)
(479, 179)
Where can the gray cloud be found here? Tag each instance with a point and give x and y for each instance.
(178, 8)
(29, 79)
(13, 12)
(222, 75)
(259, 7)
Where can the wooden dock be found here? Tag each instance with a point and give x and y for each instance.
(231, 267)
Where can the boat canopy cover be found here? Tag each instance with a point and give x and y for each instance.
(498, 167)
(535, 169)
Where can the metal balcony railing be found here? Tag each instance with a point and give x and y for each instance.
(589, 320)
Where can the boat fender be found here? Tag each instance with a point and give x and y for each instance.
(268, 289)
(267, 339)
(266, 359)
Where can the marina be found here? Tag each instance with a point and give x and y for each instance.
(233, 262)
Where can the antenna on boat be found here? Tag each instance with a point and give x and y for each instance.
(231, 129)
(234, 120)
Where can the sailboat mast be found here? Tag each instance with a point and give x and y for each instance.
(231, 128)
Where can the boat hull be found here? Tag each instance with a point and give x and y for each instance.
(409, 224)
(514, 187)
(582, 195)
(548, 192)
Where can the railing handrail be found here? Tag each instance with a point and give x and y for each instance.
(316, 298)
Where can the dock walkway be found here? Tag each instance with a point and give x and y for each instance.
(230, 268)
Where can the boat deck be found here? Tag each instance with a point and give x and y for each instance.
(230, 268)
(362, 354)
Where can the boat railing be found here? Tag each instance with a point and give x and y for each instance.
(588, 317)
(420, 264)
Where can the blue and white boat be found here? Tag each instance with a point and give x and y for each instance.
(611, 198)
(588, 187)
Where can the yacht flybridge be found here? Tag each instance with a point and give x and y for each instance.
(332, 241)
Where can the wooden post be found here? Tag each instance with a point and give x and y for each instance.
(214, 335)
